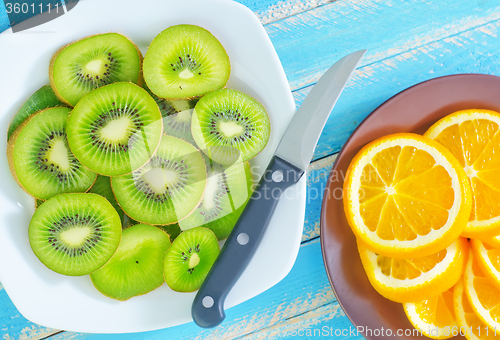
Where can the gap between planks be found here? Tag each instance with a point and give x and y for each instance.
(317, 175)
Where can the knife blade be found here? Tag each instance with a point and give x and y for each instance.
(289, 163)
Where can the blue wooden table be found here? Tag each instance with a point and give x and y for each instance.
(408, 42)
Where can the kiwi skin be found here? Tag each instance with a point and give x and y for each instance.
(10, 148)
(152, 154)
(174, 222)
(112, 218)
(10, 152)
(140, 80)
(41, 99)
(158, 37)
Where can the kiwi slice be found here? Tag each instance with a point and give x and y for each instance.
(229, 126)
(102, 186)
(137, 266)
(92, 62)
(227, 191)
(173, 230)
(38, 203)
(42, 99)
(190, 258)
(185, 61)
(167, 188)
(176, 115)
(115, 129)
(41, 160)
(75, 234)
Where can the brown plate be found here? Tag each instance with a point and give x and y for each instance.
(413, 110)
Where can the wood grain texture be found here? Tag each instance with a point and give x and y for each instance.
(317, 177)
(323, 322)
(266, 10)
(408, 42)
(472, 51)
(309, 42)
(306, 288)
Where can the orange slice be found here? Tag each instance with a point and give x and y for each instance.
(434, 316)
(493, 241)
(488, 258)
(411, 280)
(406, 196)
(473, 138)
(469, 323)
(483, 295)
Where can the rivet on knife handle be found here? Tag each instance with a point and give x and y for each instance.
(289, 163)
(208, 305)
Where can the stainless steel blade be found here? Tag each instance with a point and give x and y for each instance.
(301, 136)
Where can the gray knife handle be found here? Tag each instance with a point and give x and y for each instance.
(208, 305)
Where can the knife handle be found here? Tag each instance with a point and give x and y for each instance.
(208, 306)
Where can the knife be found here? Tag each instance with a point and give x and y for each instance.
(288, 164)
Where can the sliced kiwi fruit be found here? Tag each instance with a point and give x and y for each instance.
(165, 190)
(185, 61)
(42, 99)
(115, 129)
(173, 230)
(190, 258)
(230, 126)
(102, 186)
(92, 62)
(41, 160)
(75, 234)
(137, 266)
(227, 191)
(38, 203)
(176, 116)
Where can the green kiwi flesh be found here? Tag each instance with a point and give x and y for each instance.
(176, 116)
(173, 230)
(115, 129)
(137, 266)
(38, 203)
(75, 234)
(42, 99)
(92, 62)
(189, 259)
(227, 191)
(230, 126)
(102, 186)
(42, 161)
(185, 61)
(167, 188)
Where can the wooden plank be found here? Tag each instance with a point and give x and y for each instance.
(324, 322)
(4, 19)
(317, 177)
(473, 51)
(266, 10)
(14, 326)
(304, 289)
(285, 9)
(309, 42)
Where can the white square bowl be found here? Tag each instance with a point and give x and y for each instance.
(72, 303)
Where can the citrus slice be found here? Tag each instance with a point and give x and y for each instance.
(469, 323)
(488, 259)
(473, 138)
(483, 294)
(492, 241)
(434, 316)
(406, 196)
(411, 280)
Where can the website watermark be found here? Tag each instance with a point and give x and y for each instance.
(331, 332)
(448, 331)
